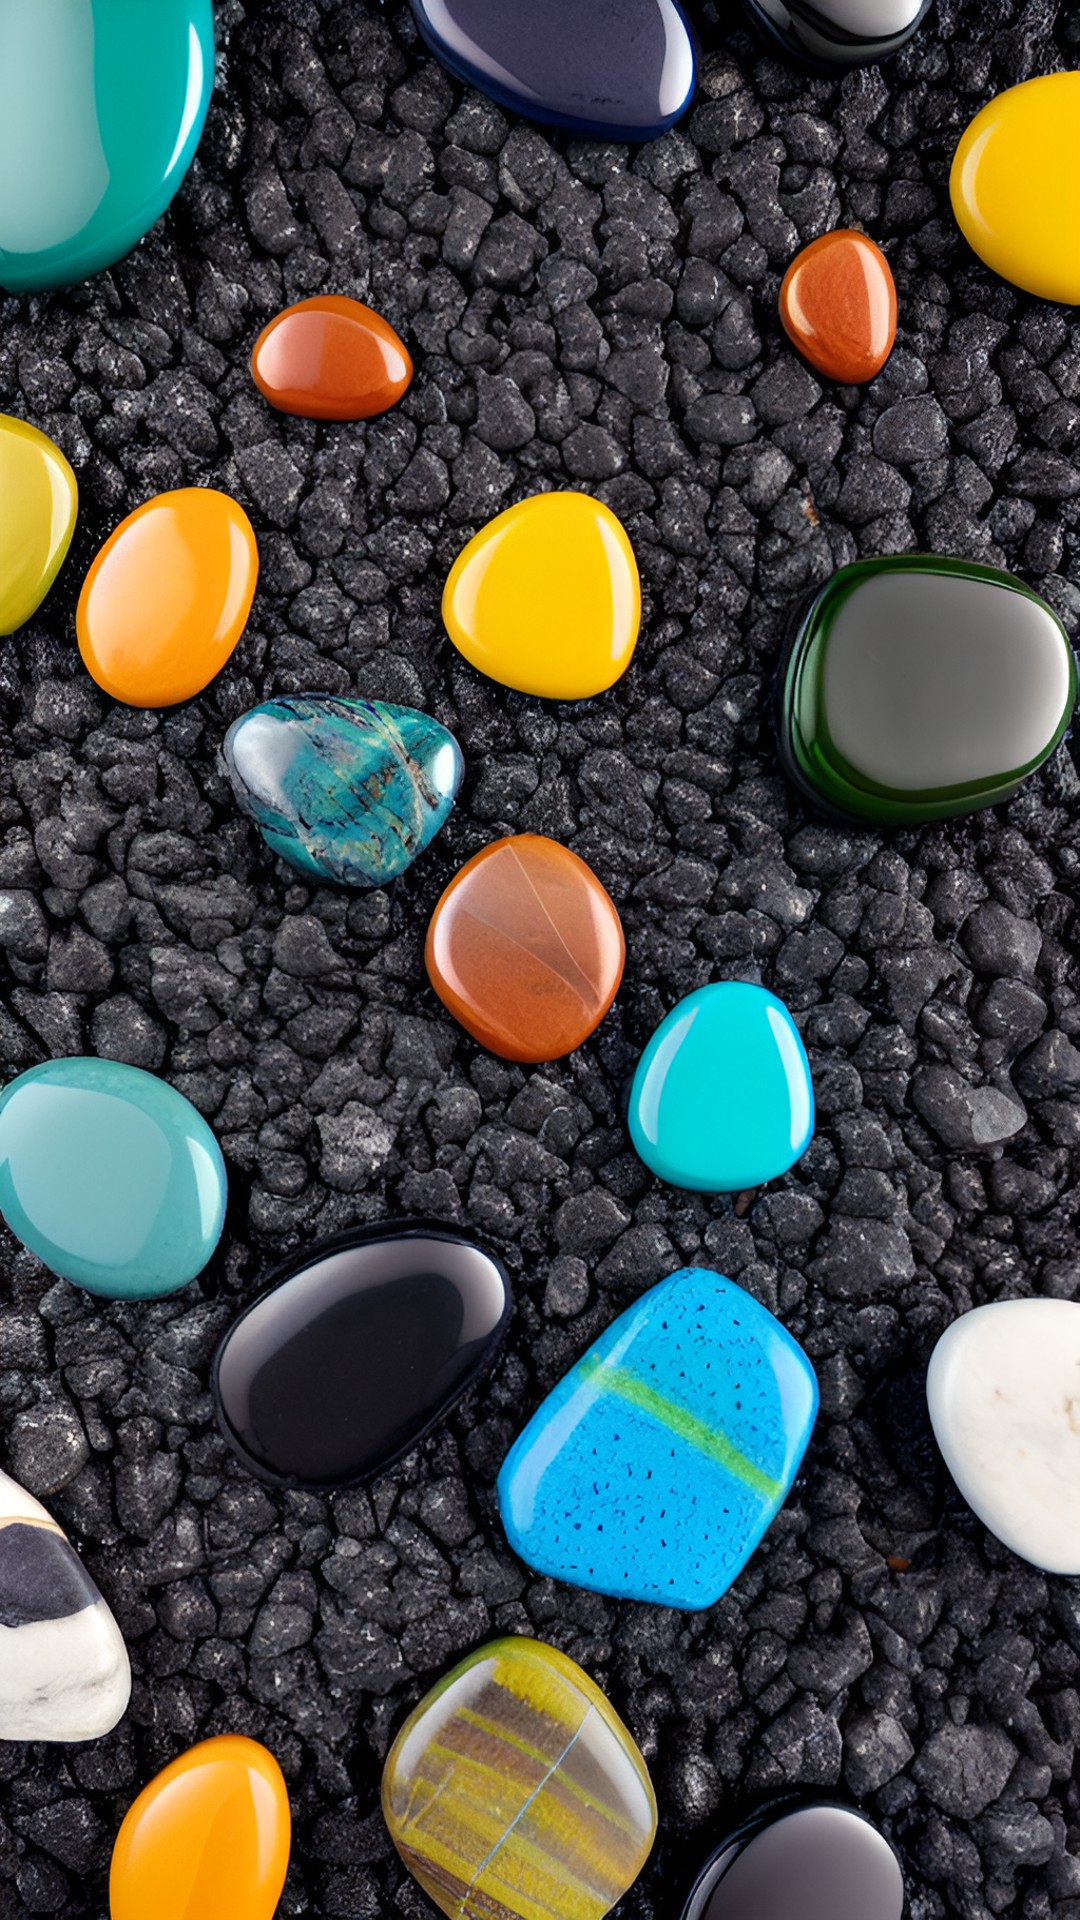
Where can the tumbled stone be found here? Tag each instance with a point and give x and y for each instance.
(914, 688)
(1004, 1393)
(64, 1672)
(357, 1351)
(514, 1792)
(103, 107)
(547, 599)
(168, 596)
(654, 1468)
(819, 1862)
(110, 1177)
(1015, 186)
(39, 503)
(838, 306)
(331, 359)
(208, 1839)
(722, 1098)
(834, 34)
(344, 790)
(526, 949)
(621, 71)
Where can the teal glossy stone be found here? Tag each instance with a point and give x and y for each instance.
(102, 103)
(344, 790)
(722, 1098)
(110, 1176)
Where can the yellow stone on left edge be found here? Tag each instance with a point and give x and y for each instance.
(546, 599)
(1015, 186)
(514, 1792)
(39, 504)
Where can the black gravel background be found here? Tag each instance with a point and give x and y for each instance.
(600, 316)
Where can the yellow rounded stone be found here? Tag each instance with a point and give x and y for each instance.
(1016, 186)
(39, 503)
(546, 599)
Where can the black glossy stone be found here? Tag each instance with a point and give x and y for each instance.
(827, 35)
(356, 1351)
(819, 1862)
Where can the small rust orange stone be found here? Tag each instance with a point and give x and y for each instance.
(331, 359)
(526, 949)
(838, 306)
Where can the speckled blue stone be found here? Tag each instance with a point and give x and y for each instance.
(722, 1099)
(344, 790)
(653, 1469)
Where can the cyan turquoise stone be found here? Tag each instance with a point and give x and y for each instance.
(102, 103)
(344, 790)
(722, 1098)
(110, 1176)
(654, 1468)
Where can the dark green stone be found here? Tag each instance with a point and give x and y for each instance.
(914, 688)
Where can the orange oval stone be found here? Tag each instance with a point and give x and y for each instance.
(526, 949)
(331, 359)
(208, 1839)
(168, 597)
(838, 306)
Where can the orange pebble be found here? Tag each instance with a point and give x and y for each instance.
(331, 359)
(838, 306)
(208, 1839)
(167, 597)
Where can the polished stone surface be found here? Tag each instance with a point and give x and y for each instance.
(1004, 1393)
(617, 69)
(39, 503)
(546, 599)
(110, 1177)
(833, 35)
(514, 1792)
(526, 948)
(722, 1098)
(915, 688)
(344, 790)
(64, 1672)
(811, 1862)
(654, 1468)
(331, 358)
(357, 1351)
(168, 596)
(838, 306)
(1015, 186)
(208, 1839)
(102, 104)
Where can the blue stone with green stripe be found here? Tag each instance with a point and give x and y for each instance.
(654, 1468)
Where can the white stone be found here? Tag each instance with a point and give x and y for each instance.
(64, 1671)
(1004, 1395)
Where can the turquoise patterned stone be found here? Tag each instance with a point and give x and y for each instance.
(344, 790)
(655, 1467)
(102, 103)
(110, 1177)
(722, 1098)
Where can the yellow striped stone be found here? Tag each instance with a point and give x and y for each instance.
(514, 1792)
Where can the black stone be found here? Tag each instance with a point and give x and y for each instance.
(809, 34)
(355, 1353)
(820, 1862)
(41, 1576)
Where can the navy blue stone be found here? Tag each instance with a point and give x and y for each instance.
(615, 69)
(833, 35)
(344, 790)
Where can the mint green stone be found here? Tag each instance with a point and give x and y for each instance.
(722, 1098)
(110, 1176)
(102, 103)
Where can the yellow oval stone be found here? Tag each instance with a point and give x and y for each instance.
(1016, 186)
(39, 503)
(547, 599)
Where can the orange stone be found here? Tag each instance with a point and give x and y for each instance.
(208, 1839)
(838, 305)
(168, 596)
(331, 359)
(526, 949)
